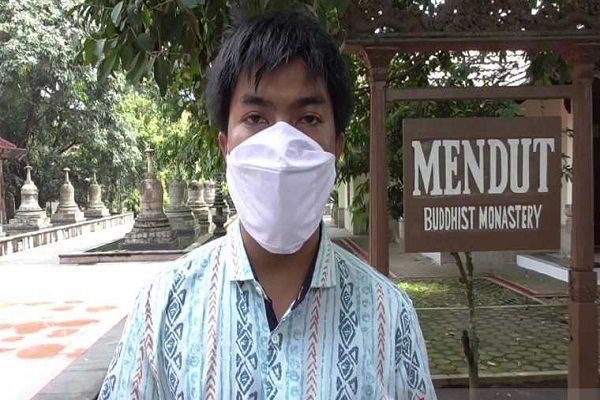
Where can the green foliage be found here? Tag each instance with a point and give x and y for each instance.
(56, 109)
(548, 68)
(415, 70)
(173, 43)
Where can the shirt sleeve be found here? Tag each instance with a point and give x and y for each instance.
(131, 374)
(413, 379)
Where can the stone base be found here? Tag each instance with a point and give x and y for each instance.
(185, 226)
(204, 228)
(183, 221)
(67, 216)
(92, 213)
(203, 218)
(28, 222)
(151, 234)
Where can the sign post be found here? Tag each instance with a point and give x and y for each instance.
(482, 184)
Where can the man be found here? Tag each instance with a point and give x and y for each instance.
(274, 310)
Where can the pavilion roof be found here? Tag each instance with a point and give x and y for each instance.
(470, 24)
(9, 150)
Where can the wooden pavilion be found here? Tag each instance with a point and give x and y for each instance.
(8, 151)
(377, 30)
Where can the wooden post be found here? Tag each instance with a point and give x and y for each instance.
(3, 217)
(377, 60)
(583, 314)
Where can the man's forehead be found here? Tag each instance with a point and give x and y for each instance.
(256, 76)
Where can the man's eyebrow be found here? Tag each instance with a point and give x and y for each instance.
(316, 100)
(253, 100)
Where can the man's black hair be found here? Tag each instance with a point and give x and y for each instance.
(272, 40)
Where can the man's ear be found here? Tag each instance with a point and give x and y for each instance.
(223, 144)
(340, 145)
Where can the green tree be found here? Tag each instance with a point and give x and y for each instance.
(173, 42)
(416, 70)
(56, 108)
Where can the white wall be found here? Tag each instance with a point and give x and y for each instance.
(550, 108)
(346, 193)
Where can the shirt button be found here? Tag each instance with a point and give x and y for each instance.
(275, 339)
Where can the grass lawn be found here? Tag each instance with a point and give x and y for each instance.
(433, 293)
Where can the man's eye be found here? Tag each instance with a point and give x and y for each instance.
(255, 119)
(310, 120)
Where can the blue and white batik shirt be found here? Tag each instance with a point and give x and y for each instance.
(200, 331)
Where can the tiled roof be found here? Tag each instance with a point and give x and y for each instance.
(9, 150)
(5, 144)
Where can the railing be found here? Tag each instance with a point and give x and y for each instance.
(30, 240)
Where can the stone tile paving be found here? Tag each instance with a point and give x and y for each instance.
(51, 313)
(512, 339)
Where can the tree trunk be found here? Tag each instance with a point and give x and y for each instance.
(31, 121)
(470, 340)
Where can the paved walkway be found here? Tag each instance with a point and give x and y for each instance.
(50, 314)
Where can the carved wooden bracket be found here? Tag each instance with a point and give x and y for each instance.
(369, 18)
(583, 57)
(581, 53)
(377, 61)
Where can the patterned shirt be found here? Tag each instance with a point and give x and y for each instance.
(200, 331)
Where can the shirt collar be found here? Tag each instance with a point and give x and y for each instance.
(238, 266)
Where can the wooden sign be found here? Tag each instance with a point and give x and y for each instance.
(482, 184)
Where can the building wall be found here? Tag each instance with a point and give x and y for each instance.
(346, 193)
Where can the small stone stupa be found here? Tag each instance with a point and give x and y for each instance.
(209, 193)
(151, 230)
(29, 216)
(198, 206)
(96, 208)
(68, 211)
(220, 215)
(180, 214)
(209, 199)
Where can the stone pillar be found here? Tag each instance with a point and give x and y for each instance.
(377, 60)
(220, 218)
(151, 230)
(29, 216)
(180, 214)
(198, 206)
(209, 199)
(96, 208)
(68, 211)
(583, 311)
(209, 193)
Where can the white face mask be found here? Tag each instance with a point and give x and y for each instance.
(280, 181)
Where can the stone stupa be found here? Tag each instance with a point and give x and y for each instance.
(96, 208)
(68, 211)
(29, 216)
(151, 230)
(209, 199)
(220, 213)
(198, 206)
(180, 214)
